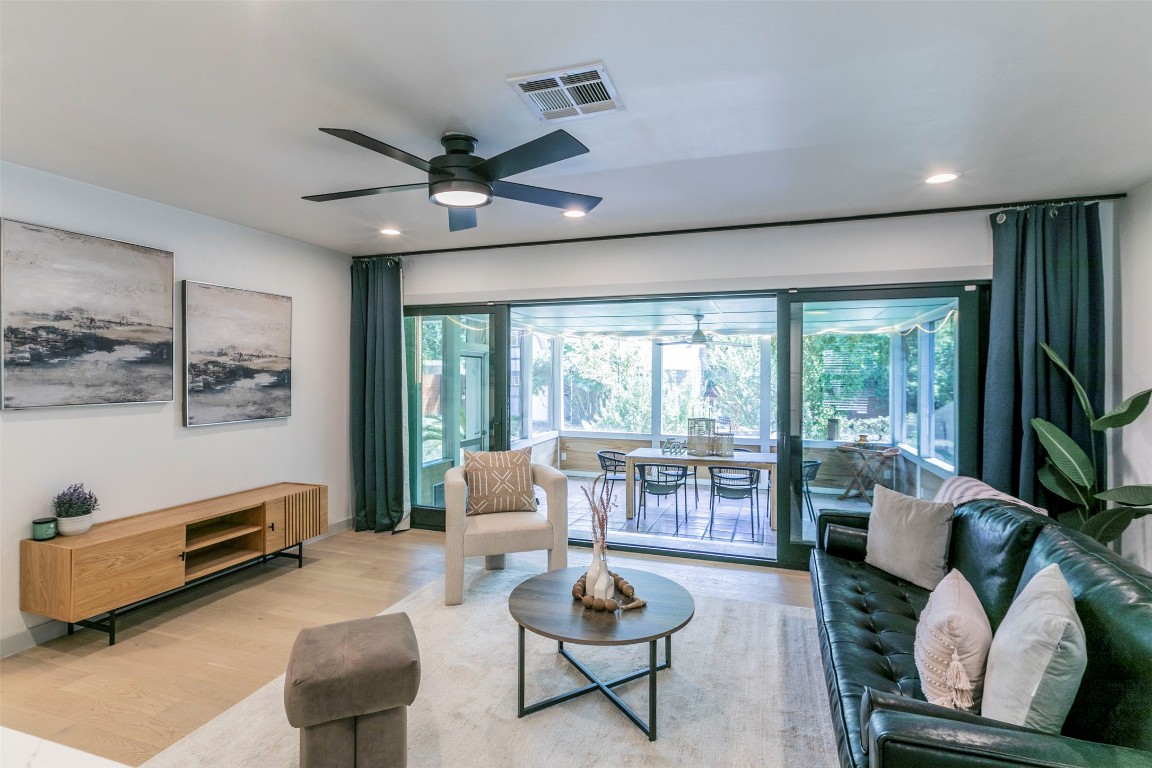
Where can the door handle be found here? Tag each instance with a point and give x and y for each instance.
(272, 525)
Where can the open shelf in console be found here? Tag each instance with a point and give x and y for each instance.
(205, 561)
(221, 542)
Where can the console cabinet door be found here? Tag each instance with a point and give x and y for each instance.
(116, 573)
(274, 535)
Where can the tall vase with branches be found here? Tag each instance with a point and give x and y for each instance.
(600, 502)
(1071, 474)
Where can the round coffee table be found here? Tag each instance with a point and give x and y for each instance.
(544, 605)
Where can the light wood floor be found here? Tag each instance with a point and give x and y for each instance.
(181, 663)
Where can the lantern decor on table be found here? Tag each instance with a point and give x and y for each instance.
(597, 589)
(700, 432)
(723, 441)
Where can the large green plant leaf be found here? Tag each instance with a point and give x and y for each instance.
(1107, 525)
(1085, 403)
(1074, 519)
(1056, 482)
(1125, 413)
(1129, 495)
(1068, 457)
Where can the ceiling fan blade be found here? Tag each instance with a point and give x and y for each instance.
(362, 192)
(378, 146)
(542, 196)
(671, 343)
(556, 146)
(461, 218)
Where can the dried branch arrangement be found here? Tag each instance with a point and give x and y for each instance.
(600, 501)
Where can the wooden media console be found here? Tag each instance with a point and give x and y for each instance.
(91, 579)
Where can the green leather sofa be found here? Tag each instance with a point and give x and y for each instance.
(867, 622)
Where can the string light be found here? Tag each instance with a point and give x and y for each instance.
(940, 325)
(465, 326)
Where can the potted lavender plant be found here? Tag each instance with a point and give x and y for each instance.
(74, 508)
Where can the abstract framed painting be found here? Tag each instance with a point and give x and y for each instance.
(87, 321)
(237, 355)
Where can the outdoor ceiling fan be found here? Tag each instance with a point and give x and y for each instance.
(701, 339)
(461, 181)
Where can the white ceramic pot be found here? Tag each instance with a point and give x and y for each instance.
(73, 526)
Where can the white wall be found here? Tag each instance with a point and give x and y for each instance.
(1133, 462)
(913, 249)
(139, 457)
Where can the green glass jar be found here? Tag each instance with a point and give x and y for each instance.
(44, 529)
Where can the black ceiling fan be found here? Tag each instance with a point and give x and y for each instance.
(462, 181)
(701, 339)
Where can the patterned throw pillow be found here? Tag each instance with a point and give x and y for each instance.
(952, 640)
(499, 481)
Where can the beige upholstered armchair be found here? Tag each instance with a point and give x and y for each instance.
(497, 533)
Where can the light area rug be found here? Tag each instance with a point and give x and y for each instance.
(745, 689)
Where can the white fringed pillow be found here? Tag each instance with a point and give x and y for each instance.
(952, 641)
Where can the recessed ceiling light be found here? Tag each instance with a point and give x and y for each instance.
(574, 214)
(942, 178)
(389, 231)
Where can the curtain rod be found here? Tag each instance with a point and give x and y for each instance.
(765, 225)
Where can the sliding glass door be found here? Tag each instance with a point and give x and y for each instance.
(882, 389)
(457, 395)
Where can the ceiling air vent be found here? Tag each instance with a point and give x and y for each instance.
(568, 94)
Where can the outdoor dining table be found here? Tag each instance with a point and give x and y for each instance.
(762, 461)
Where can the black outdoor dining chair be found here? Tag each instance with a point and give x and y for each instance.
(613, 466)
(734, 483)
(809, 470)
(662, 480)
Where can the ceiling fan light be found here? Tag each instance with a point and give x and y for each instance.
(574, 214)
(460, 193)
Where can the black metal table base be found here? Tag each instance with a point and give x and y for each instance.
(604, 686)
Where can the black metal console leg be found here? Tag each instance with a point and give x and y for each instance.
(300, 554)
(112, 627)
(668, 651)
(71, 627)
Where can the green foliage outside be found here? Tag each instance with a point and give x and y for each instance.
(861, 374)
(732, 373)
(607, 384)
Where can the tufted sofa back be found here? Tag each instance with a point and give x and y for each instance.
(990, 545)
(999, 548)
(1114, 602)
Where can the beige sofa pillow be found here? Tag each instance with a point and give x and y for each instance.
(499, 481)
(952, 640)
(1038, 656)
(908, 537)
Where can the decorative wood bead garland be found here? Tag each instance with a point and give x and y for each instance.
(579, 593)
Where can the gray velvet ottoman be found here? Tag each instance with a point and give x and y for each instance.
(348, 688)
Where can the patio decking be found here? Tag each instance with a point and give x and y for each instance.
(731, 532)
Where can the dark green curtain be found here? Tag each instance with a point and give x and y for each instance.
(1047, 285)
(377, 394)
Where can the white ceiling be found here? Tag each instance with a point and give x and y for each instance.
(735, 112)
